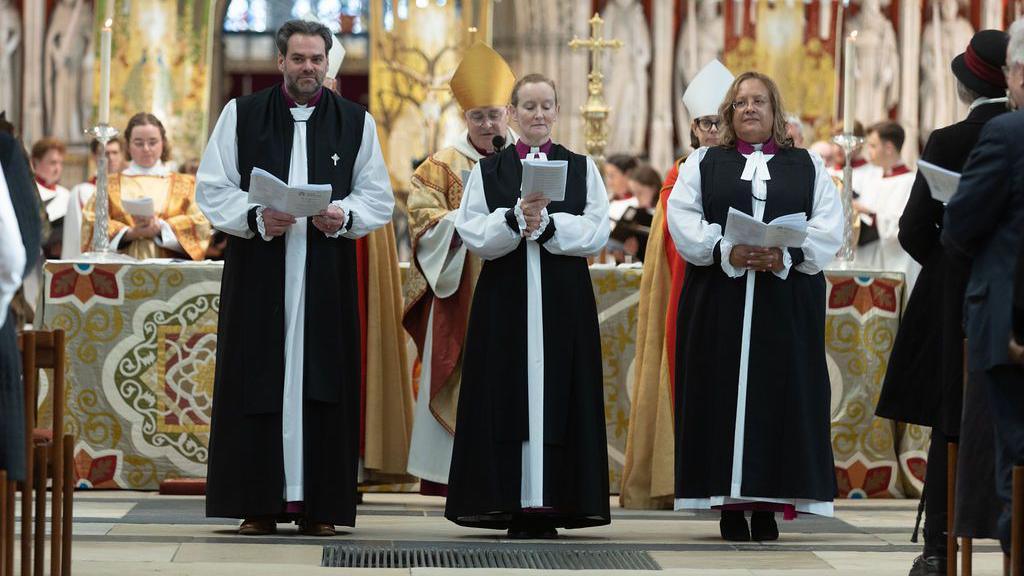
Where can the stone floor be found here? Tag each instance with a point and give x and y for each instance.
(127, 533)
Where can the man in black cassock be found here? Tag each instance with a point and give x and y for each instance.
(284, 442)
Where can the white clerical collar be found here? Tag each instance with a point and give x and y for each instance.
(756, 166)
(158, 169)
(983, 100)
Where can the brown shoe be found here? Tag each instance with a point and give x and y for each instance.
(257, 527)
(309, 528)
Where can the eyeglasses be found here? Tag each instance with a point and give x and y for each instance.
(481, 119)
(706, 124)
(146, 143)
(758, 103)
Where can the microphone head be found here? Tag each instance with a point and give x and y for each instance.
(498, 142)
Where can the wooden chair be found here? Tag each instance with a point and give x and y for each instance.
(967, 550)
(1017, 524)
(50, 456)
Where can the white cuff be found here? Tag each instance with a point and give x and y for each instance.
(260, 225)
(116, 240)
(787, 263)
(167, 239)
(521, 219)
(544, 220)
(344, 221)
(725, 247)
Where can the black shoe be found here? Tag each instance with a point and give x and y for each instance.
(733, 526)
(928, 566)
(532, 533)
(763, 527)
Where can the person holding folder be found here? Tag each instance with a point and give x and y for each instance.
(285, 431)
(153, 211)
(530, 452)
(752, 388)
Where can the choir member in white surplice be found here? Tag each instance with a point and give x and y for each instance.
(752, 394)
(881, 203)
(530, 450)
(284, 440)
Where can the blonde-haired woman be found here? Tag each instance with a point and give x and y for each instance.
(530, 453)
(752, 391)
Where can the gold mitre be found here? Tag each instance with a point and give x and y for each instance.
(482, 79)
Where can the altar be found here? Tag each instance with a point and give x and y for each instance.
(141, 350)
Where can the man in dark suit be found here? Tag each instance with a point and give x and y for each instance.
(26, 208)
(1017, 344)
(924, 380)
(983, 223)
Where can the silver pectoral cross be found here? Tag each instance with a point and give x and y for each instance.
(335, 157)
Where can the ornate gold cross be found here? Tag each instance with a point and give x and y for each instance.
(595, 111)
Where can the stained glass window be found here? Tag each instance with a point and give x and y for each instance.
(341, 16)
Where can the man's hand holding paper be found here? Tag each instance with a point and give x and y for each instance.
(299, 201)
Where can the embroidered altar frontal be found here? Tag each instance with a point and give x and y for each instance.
(874, 458)
(141, 350)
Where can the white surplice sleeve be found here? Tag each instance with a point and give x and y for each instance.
(218, 182)
(695, 238)
(485, 233)
(440, 262)
(371, 203)
(583, 235)
(12, 251)
(825, 226)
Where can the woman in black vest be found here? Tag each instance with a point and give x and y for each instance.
(752, 401)
(530, 449)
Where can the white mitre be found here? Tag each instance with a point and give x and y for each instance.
(708, 88)
(335, 56)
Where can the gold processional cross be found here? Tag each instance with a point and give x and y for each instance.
(595, 111)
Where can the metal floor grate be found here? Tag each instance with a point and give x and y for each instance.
(351, 556)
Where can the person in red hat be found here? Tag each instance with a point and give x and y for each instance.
(918, 388)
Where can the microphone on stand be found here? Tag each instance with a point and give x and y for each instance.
(498, 142)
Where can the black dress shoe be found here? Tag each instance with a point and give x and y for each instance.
(733, 526)
(532, 533)
(763, 527)
(928, 566)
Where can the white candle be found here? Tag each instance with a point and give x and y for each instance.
(849, 55)
(105, 36)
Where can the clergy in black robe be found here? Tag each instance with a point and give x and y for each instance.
(530, 451)
(924, 382)
(752, 399)
(284, 438)
(17, 179)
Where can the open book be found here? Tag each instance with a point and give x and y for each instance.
(300, 201)
(546, 177)
(942, 183)
(785, 231)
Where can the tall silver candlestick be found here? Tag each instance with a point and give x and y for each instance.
(101, 249)
(848, 142)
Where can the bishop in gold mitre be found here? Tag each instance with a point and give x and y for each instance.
(440, 285)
